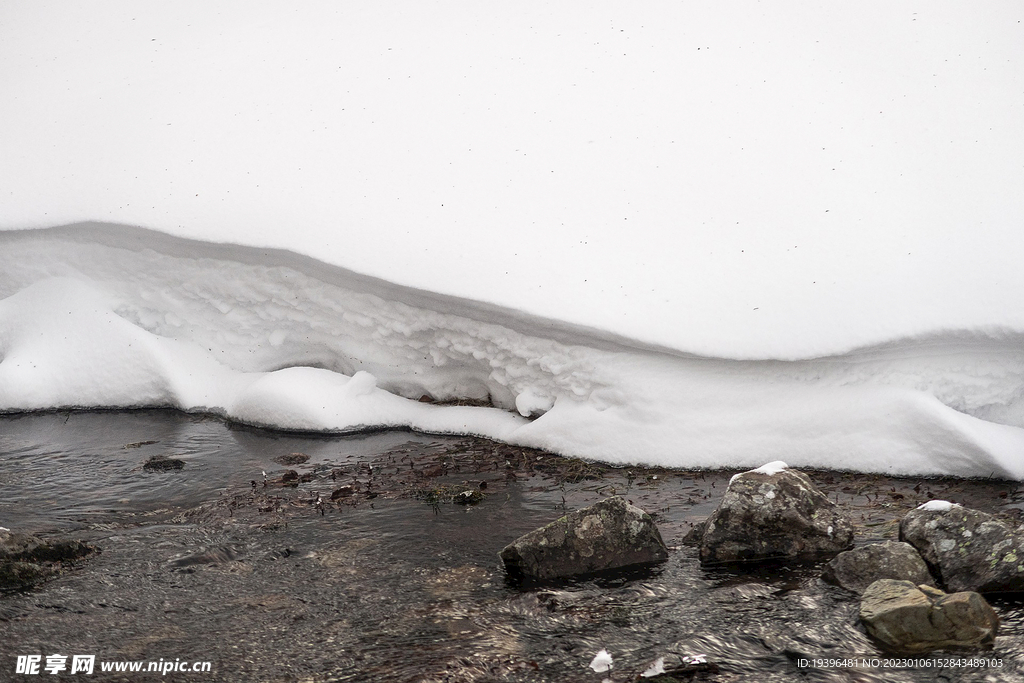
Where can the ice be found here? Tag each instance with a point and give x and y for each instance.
(656, 668)
(602, 662)
(937, 505)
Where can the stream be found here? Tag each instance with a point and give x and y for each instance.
(389, 580)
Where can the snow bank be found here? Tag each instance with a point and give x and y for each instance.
(828, 195)
(111, 316)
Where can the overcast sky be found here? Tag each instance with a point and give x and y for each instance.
(728, 178)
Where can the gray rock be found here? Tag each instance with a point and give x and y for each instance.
(770, 513)
(609, 535)
(967, 549)
(909, 618)
(857, 569)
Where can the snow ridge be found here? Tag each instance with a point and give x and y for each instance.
(258, 337)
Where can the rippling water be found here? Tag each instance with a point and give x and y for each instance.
(197, 564)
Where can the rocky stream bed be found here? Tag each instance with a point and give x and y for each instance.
(282, 557)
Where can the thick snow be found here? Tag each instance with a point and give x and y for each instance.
(696, 234)
(95, 315)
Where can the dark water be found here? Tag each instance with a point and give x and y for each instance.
(198, 565)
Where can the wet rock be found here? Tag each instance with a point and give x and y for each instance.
(967, 549)
(773, 513)
(20, 575)
(694, 536)
(609, 535)
(163, 463)
(26, 560)
(468, 497)
(342, 492)
(16, 546)
(292, 459)
(909, 618)
(857, 569)
(672, 668)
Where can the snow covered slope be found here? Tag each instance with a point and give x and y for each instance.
(100, 315)
(768, 230)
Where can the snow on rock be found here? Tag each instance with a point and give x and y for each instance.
(937, 506)
(771, 468)
(112, 316)
(768, 468)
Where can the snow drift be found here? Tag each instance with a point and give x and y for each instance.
(794, 230)
(98, 315)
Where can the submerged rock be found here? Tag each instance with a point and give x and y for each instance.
(163, 463)
(909, 618)
(773, 513)
(292, 459)
(218, 555)
(26, 560)
(16, 546)
(967, 549)
(609, 535)
(857, 569)
(19, 575)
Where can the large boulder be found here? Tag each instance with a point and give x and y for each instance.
(908, 618)
(773, 512)
(857, 569)
(609, 535)
(967, 549)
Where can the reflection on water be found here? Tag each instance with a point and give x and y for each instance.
(392, 588)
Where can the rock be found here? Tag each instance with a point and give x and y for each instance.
(966, 549)
(342, 492)
(857, 569)
(292, 459)
(163, 463)
(609, 535)
(26, 560)
(21, 575)
(773, 512)
(16, 546)
(909, 618)
(468, 497)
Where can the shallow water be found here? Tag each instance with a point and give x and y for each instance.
(201, 564)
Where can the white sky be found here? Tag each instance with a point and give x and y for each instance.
(741, 179)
